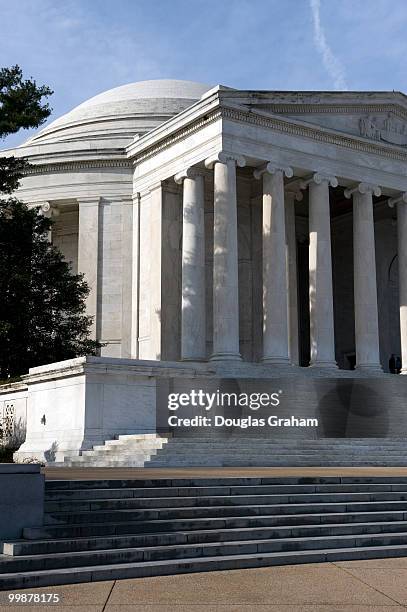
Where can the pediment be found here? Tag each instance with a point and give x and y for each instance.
(378, 117)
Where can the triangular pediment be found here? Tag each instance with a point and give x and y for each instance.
(380, 116)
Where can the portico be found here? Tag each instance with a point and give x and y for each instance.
(281, 157)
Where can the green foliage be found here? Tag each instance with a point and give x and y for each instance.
(42, 304)
(21, 105)
(6, 454)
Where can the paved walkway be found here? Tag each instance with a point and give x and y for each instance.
(347, 586)
(208, 472)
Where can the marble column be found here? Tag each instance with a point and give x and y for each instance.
(275, 300)
(193, 315)
(322, 338)
(401, 202)
(291, 196)
(88, 250)
(364, 270)
(225, 258)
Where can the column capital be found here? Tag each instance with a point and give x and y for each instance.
(47, 209)
(294, 192)
(223, 157)
(363, 188)
(318, 178)
(190, 172)
(271, 168)
(400, 199)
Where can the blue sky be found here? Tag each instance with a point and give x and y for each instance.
(82, 47)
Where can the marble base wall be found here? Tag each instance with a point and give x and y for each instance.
(73, 405)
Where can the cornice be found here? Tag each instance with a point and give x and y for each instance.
(73, 166)
(335, 108)
(282, 125)
(314, 133)
(193, 127)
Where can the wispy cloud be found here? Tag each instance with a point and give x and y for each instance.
(332, 64)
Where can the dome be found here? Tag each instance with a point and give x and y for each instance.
(123, 112)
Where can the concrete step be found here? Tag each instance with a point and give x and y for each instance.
(169, 567)
(249, 440)
(99, 516)
(95, 494)
(63, 485)
(233, 455)
(122, 446)
(236, 464)
(219, 500)
(197, 523)
(261, 462)
(35, 547)
(195, 550)
(269, 446)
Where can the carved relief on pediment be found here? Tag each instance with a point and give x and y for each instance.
(390, 129)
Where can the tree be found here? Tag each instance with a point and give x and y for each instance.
(42, 303)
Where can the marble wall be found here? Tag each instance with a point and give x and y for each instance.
(65, 236)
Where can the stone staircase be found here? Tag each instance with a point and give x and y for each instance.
(239, 451)
(130, 449)
(112, 529)
(151, 450)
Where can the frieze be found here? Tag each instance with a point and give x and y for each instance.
(390, 129)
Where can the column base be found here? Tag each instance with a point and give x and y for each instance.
(332, 365)
(199, 359)
(403, 372)
(373, 368)
(276, 360)
(226, 357)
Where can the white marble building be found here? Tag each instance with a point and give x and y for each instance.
(233, 227)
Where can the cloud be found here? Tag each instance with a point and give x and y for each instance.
(332, 64)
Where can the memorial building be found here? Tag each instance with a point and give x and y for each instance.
(223, 233)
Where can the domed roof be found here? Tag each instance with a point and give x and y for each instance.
(123, 112)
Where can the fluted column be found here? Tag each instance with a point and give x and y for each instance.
(225, 258)
(401, 202)
(275, 299)
(291, 245)
(365, 287)
(193, 319)
(88, 251)
(322, 336)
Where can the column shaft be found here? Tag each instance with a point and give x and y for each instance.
(365, 290)
(225, 264)
(88, 249)
(402, 259)
(275, 324)
(291, 245)
(193, 319)
(320, 277)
